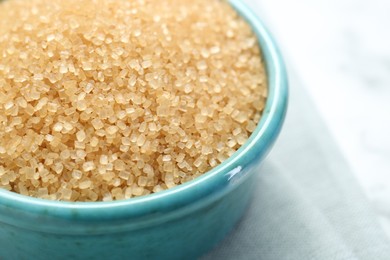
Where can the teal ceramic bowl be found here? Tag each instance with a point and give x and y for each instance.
(181, 223)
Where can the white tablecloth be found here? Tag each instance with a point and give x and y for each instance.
(307, 204)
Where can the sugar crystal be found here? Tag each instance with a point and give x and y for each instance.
(117, 99)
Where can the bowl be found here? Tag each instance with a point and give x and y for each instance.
(180, 223)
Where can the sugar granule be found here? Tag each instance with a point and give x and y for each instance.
(104, 100)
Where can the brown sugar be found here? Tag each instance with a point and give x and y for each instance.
(108, 99)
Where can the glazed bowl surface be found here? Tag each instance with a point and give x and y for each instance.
(180, 223)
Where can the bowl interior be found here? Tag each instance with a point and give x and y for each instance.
(212, 181)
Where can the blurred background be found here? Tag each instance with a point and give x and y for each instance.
(340, 49)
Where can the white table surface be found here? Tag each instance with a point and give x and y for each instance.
(341, 51)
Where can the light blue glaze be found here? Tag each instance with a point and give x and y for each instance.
(180, 223)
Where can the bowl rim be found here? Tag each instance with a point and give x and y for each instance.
(215, 180)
